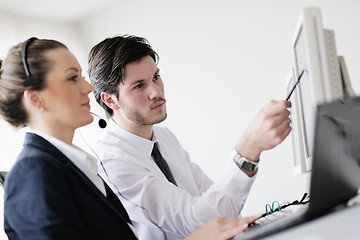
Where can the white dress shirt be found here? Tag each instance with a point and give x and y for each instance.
(83, 160)
(156, 206)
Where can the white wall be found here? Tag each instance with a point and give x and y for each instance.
(221, 62)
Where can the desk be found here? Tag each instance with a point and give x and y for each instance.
(339, 225)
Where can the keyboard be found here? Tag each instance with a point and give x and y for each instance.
(280, 214)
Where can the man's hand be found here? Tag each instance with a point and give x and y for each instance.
(268, 129)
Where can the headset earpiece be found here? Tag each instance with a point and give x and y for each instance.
(30, 81)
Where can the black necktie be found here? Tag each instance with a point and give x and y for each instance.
(162, 164)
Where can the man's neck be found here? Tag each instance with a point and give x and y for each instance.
(145, 131)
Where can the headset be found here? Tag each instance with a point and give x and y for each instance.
(35, 81)
(30, 81)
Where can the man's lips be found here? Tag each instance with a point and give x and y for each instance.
(158, 104)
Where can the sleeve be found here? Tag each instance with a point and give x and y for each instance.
(38, 203)
(231, 181)
(226, 195)
(151, 199)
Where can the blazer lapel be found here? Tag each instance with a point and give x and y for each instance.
(116, 202)
(111, 201)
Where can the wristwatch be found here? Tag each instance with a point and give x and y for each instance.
(243, 162)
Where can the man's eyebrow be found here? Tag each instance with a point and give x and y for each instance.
(143, 80)
(132, 84)
(157, 72)
(138, 81)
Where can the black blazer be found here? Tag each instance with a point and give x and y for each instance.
(48, 197)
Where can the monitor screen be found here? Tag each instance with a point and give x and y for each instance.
(314, 52)
(296, 134)
(305, 101)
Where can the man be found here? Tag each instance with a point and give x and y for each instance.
(166, 204)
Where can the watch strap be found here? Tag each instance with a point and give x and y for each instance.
(243, 162)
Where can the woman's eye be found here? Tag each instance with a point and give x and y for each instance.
(73, 78)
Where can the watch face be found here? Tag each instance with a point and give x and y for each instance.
(248, 166)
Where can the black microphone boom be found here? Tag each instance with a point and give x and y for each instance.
(102, 123)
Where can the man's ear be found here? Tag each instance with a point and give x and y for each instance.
(32, 98)
(109, 100)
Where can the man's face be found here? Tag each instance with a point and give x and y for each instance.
(141, 95)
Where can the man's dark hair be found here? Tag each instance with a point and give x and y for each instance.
(107, 61)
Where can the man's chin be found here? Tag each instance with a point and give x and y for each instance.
(161, 119)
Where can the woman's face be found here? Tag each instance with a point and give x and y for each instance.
(65, 99)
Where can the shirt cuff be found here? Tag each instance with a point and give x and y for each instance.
(234, 181)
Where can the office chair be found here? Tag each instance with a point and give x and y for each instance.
(2, 177)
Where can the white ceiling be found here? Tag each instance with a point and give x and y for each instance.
(61, 10)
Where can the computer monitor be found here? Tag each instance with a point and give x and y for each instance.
(296, 137)
(314, 52)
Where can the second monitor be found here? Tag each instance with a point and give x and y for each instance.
(314, 51)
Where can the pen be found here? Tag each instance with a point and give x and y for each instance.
(298, 80)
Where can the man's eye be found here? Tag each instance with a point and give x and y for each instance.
(157, 77)
(138, 86)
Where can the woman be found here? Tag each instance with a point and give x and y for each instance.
(53, 191)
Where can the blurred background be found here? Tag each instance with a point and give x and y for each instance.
(221, 61)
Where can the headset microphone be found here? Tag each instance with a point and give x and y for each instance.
(102, 123)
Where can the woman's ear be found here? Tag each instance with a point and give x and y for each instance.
(109, 101)
(32, 98)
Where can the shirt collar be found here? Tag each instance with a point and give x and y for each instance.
(83, 160)
(142, 145)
